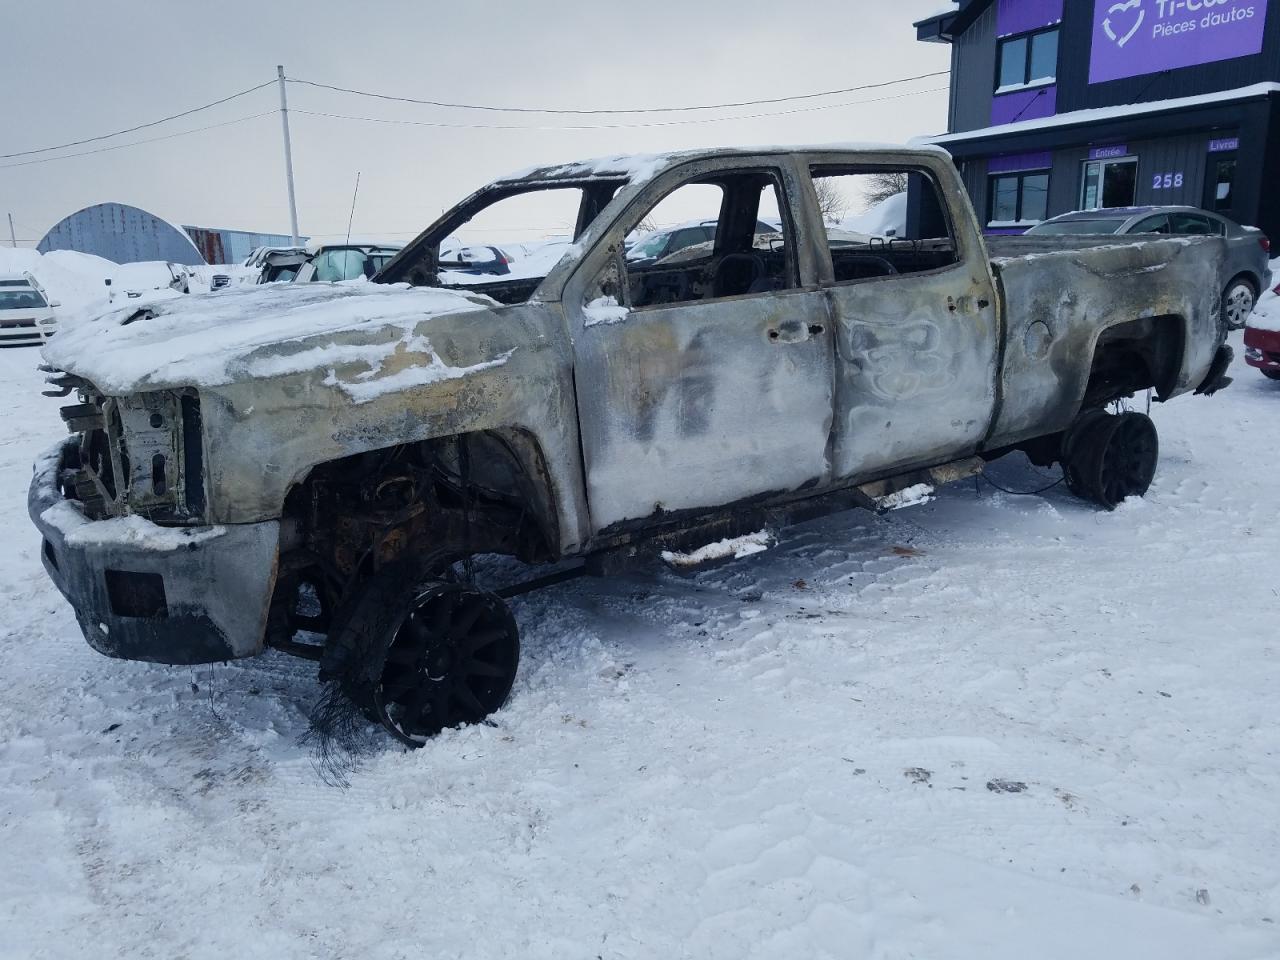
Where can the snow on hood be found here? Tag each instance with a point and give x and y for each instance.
(209, 339)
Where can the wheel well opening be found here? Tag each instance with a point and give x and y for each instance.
(1254, 283)
(424, 505)
(1136, 355)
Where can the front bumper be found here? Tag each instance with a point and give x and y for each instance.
(140, 591)
(1262, 348)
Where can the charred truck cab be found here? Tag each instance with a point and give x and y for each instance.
(312, 467)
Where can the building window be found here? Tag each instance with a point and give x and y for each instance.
(1030, 58)
(1018, 199)
(1109, 183)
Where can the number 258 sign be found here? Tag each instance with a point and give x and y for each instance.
(1166, 181)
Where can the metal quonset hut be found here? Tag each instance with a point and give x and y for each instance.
(1059, 105)
(122, 234)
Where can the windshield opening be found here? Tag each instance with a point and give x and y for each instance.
(21, 300)
(504, 240)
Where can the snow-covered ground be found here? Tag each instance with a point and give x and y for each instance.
(990, 727)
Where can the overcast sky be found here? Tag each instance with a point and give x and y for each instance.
(75, 69)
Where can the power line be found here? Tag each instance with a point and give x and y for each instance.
(136, 143)
(581, 112)
(609, 126)
(141, 126)
(471, 126)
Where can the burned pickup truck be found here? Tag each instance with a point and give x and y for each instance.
(310, 467)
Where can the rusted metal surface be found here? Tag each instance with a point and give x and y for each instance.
(590, 435)
(1058, 304)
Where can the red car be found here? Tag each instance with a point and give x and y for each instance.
(1262, 342)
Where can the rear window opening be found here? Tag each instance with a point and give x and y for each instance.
(883, 221)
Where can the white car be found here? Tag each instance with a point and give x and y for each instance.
(26, 313)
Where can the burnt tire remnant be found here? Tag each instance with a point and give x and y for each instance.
(416, 654)
(1107, 457)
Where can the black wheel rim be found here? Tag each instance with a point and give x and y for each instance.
(451, 662)
(1129, 459)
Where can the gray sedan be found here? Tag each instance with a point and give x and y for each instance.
(1247, 272)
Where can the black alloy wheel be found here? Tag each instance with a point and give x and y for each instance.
(1109, 457)
(452, 661)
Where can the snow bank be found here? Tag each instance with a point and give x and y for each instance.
(787, 756)
(75, 280)
(206, 339)
(888, 218)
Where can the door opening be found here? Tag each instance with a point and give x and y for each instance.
(1219, 185)
(1109, 183)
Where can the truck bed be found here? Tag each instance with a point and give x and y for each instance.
(1060, 293)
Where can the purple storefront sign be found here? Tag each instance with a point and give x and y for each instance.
(1109, 152)
(1024, 105)
(1224, 145)
(1015, 162)
(1022, 16)
(1136, 37)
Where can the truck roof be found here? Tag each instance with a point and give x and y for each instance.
(642, 166)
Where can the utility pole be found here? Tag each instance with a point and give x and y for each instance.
(12, 236)
(288, 156)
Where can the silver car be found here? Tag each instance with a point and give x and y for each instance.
(1246, 273)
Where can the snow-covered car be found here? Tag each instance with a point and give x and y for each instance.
(135, 280)
(332, 263)
(478, 259)
(314, 469)
(26, 313)
(1262, 336)
(1246, 272)
(278, 264)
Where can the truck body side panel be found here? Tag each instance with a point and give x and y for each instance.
(1058, 299)
(265, 435)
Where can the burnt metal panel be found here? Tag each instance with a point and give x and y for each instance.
(1064, 292)
(690, 405)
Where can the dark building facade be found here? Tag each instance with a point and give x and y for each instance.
(1060, 105)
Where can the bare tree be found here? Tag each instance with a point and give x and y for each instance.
(831, 201)
(881, 186)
